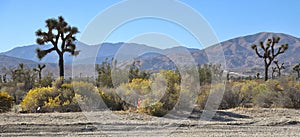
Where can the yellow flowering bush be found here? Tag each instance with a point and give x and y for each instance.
(6, 102)
(48, 99)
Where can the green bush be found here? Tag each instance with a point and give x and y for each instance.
(6, 102)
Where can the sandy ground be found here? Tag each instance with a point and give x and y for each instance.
(233, 122)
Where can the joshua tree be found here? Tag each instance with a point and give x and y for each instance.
(136, 72)
(297, 69)
(279, 67)
(18, 75)
(270, 52)
(257, 75)
(4, 72)
(104, 74)
(23, 75)
(274, 69)
(39, 70)
(62, 38)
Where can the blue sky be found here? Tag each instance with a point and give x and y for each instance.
(229, 19)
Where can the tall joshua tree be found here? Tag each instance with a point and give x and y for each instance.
(269, 52)
(62, 38)
(39, 70)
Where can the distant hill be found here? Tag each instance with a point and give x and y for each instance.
(239, 50)
(28, 52)
(104, 50)
(14, 62)
(238, 53)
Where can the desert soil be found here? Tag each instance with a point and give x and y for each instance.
(233, 122)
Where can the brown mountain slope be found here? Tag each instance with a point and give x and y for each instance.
(238, 53)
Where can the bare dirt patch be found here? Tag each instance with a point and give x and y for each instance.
(232, 122)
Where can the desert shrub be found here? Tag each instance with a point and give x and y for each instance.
(171, 95)
(133, 91)
(231, 99)
(16, 90)
(6, 102)
(189, 90)
(48, 99)
(294, 96)
(90, 97)
(187, 101)
(218, 92)
(283, 92)
(288, 93)
(112, 100)
(297, 85)
(140, 86)
(104, 78)
(202, 98)
(158, 94)
(237, 94)
(156, 109)
(35, 98)
(265, 96)
(276, 93)
(245, 92)
(46, 81)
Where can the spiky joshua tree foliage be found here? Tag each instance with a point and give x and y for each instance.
(269, 52)
(61, 36)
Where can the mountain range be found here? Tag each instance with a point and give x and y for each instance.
(237, 51)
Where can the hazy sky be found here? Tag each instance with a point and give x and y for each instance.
(229, 18)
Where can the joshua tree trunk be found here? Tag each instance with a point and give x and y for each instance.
(40, 75)
(61, 66)
(266, 74)
(266, 69)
